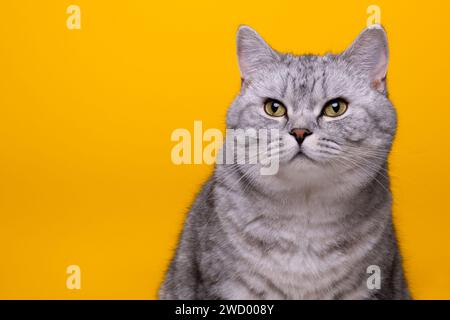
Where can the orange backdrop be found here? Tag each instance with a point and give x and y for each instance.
(86, 116)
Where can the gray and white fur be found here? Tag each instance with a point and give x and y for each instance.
(311, 230)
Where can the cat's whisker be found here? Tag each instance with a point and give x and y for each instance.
(370, 173)
(364, 161)
(367, 159)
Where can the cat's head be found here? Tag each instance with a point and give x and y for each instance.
(332, 111)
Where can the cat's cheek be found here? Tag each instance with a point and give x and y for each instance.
(310, 147)
(289, 148)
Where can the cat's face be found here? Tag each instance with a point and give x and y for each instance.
(331, 111)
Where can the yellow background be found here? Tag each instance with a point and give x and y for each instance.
(86, 116)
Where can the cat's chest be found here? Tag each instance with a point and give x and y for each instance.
(293, 272)
(293, 253)
(296, 271)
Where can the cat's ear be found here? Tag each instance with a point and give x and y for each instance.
(253, 52)
(369, 53)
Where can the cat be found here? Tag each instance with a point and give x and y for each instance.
(315, 228)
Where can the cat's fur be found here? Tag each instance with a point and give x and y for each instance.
(311, 230)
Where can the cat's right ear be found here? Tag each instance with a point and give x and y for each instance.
(253, 52)
(370, 54)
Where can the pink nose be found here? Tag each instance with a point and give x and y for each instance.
(300, 134)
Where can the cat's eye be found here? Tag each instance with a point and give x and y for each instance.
(274, 108)
(335, 108)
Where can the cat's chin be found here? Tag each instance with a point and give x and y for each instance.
(301, 157)
(300, 165)
(303, 168)
(296, 176)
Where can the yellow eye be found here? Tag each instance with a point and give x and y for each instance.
(335, 108)
(274, 108)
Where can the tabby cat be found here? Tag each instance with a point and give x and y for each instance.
(314, 228)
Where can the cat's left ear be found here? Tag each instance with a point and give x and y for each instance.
(253, 52)
(369, 53)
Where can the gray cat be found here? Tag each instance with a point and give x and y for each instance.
(317, 227)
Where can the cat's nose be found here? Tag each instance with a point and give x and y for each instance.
(300, 134)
